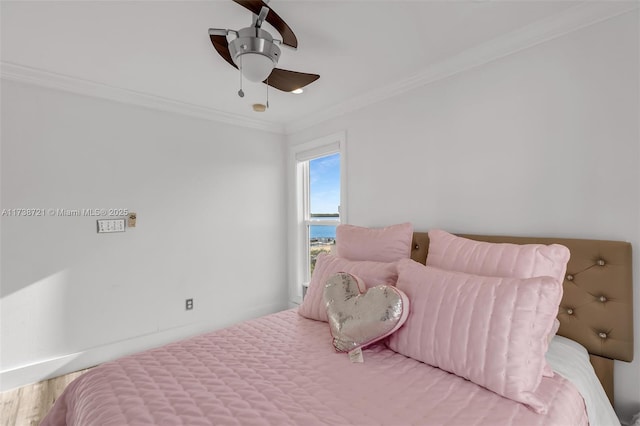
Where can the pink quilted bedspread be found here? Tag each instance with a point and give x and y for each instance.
(281, 369)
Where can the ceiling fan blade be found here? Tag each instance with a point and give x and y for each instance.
(255, 6)
(288, 81)
(222, 47)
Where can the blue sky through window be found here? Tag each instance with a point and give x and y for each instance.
(324, 181)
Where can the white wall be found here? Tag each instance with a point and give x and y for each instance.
(210, 200)
(544, 142)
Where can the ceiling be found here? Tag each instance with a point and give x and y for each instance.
(161, 48)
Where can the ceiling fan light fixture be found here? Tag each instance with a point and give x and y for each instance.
(255, 53)
(297, 91)
(255, 67)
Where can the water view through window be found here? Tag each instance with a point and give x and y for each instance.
(324, 203)
(321, 239)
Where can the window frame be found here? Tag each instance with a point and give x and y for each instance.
(299, 218)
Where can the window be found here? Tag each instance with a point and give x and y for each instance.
(323, 214)
(319, 205)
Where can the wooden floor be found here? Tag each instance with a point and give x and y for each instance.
(28, 405)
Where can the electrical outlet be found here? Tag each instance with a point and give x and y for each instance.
(188, 304)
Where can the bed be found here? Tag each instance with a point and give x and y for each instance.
(281, 368)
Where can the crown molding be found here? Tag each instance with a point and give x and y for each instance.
(575, 18)
(572, 19)
(24, 74)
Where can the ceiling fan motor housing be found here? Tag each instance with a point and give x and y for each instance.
(259, 44)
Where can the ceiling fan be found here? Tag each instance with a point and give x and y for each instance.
(255, 52)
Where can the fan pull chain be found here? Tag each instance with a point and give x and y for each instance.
(240, 92)
(267, 92)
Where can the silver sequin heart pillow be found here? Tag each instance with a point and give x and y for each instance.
(359, 317)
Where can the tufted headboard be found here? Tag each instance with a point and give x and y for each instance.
(597, 306)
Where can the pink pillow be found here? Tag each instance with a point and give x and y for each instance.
(489, 330)
(371, 273)
(453, 253)
(377, 244)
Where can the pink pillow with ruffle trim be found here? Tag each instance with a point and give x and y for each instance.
(489, 330)
(376, 244)
(371, 273)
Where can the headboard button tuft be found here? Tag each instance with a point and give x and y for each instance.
(601, 262)
(602, 335)
(602, 299)
(417, 247)
(569, 277)
(570, 311)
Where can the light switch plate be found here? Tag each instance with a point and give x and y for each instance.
(110, 225)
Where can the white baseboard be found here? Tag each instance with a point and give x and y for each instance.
(53, 367)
